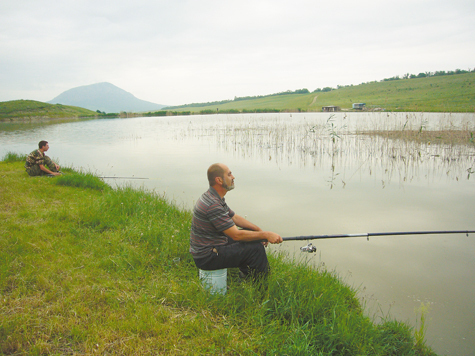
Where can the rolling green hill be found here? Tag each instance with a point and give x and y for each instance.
(444, 93)
(30, 110)
(448, 93)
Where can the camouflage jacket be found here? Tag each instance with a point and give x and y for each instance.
(35, 158)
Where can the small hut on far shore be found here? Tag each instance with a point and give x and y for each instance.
(331, 108)
(359, 106)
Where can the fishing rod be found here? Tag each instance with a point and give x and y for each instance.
(311, 248)
(123, 178)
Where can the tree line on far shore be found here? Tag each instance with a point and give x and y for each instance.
(413, 76)
(430, 74)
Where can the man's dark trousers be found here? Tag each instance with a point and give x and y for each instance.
(249, 257)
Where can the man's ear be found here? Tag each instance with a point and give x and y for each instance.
(218, 180)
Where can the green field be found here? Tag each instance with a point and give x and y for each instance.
(448, 93)
(86, 269)
(30, 110)
(445, 93)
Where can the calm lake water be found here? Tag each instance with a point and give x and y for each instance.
(309, 174)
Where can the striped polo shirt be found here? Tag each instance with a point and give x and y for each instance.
(211, 216)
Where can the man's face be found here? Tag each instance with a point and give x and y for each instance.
(46, 147)
(228, 179)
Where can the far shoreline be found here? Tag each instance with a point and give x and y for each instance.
(44, 119)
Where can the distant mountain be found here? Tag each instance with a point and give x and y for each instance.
(105, 97)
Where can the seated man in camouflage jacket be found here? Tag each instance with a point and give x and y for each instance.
(37, 162)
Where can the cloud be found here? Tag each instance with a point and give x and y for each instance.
(191, 51)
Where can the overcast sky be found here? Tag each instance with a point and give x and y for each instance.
(176, 52)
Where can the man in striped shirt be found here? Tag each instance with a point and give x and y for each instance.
(215, 240)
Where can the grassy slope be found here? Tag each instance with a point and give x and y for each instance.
(33, 110)
(454, 93)
(450, 93)
(86, 269)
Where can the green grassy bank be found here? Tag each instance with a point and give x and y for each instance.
(30, 111)
(86, 269)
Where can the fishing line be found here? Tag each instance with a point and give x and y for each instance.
(122, 178)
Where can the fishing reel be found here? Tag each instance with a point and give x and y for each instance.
(309, 248)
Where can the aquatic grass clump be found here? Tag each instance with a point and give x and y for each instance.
(447, 137)
(396, 147)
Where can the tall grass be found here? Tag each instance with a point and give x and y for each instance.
(448, 137)
(11, 157)
(80, 179)
(419, 333)
(107, 271)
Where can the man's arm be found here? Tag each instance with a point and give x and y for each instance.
(44, 169)
(245, 224)
(253, 232)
